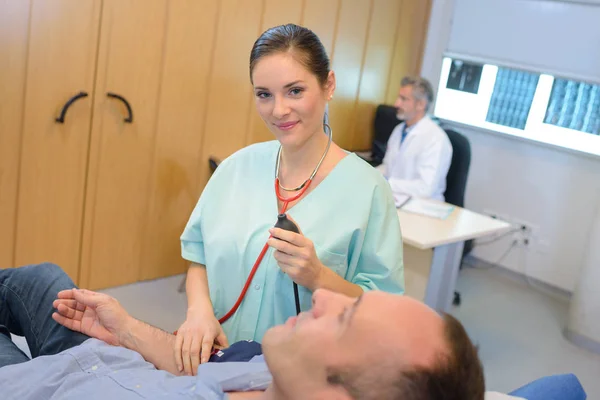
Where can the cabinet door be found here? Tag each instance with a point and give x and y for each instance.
(61, 60)
(189, 43)
(14, 23)
(130, 58)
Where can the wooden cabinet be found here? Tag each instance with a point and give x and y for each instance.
(50, 158)
(142, 176)
(14, 25)
(129, 65)
(107, 199)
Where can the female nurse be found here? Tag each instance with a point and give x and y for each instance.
(349, 239)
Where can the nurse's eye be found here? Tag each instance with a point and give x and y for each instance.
(296, 91)
(263, 95)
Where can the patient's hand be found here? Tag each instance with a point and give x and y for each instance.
(94, 314)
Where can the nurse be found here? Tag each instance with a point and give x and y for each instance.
(349, 239)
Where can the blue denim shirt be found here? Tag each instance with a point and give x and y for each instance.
(96, 370)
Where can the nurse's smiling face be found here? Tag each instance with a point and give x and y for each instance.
(289, 98)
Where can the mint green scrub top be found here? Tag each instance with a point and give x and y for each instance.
(350, 217)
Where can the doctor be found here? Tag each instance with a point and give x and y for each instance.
(419, 152)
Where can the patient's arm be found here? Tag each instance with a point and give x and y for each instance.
(155, 345)
(102, 317)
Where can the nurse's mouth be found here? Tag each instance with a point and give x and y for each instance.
(287, 126)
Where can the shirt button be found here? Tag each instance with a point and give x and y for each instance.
(95, 367)
(138, 386)
(257, 287)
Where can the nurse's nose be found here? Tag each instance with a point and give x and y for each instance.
(280, 108)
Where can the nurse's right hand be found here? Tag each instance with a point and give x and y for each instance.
(195, 340)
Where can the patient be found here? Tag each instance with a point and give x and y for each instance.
(381, 346)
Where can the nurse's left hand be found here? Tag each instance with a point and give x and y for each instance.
(296, 256)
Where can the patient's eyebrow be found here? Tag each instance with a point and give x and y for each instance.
(354, 307)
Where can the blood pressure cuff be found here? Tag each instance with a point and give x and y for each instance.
(244, 350)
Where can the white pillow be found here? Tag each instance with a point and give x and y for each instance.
(500, 396)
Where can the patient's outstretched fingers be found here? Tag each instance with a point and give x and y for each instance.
(69, 312)
(67, 323)
(66, 294)
(69, 303)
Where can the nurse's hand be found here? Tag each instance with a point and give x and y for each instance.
(195, 340)
(296, 256)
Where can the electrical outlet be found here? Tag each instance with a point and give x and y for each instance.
(524, 232)
(522, 238)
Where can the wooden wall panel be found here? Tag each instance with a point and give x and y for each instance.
(173, 191)
(14, 33)
(347, 63)
(229, 91)
(62, 62)
(129, 64)
(377, 65)
(321, 16)
(410, 42)
(276, 12)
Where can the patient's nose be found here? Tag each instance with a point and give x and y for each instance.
(325, 302)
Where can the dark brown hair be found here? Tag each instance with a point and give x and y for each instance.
(457, 375)
(305, 45)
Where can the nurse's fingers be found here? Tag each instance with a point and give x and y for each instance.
(288, 236)
(207, 344)
(195, 354)
(185, 353)
(177, 351)
(284, 247)
(289, 270)
(222, 340)
(285, 259)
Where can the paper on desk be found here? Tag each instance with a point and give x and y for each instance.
(428, 208)
(401, 199)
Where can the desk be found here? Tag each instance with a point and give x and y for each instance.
(445, 238)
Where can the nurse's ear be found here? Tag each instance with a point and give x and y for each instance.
(330, 85)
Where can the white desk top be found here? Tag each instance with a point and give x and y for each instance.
(425, 232)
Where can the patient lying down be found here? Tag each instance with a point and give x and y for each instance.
(381, 346)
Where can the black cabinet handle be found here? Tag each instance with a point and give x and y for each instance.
(116, 96)
(63, 113)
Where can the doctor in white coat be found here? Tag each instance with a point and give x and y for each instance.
(419, 152)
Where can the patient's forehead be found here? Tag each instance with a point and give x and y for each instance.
(401, 325)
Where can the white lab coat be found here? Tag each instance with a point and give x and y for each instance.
(419, 166)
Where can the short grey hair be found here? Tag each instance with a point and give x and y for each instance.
(422, 88)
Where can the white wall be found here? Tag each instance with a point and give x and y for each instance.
(556, 37)
(553, 190)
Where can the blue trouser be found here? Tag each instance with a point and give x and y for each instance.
(26, 296)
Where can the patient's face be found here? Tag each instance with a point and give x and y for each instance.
(342, 332)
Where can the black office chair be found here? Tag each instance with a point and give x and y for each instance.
(456, 180)
(384, 123)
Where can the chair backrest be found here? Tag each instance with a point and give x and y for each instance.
(384, 123)
(456, 180)
(554, 387)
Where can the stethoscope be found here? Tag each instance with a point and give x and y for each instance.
(282, 222)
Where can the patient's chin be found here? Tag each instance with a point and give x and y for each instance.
(276, 336)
